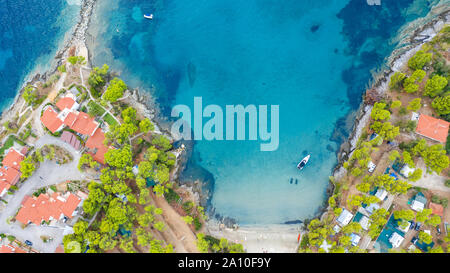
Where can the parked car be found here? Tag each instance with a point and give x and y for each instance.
(412, 225)
(414, 240)
(438, 229)
(28, 243)
(371, 166)
(418, 225)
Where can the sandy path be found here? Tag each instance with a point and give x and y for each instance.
(177, 226)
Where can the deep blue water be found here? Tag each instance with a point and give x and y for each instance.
(30, 33)
(312, 58)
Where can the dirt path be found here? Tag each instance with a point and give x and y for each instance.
(178, 228)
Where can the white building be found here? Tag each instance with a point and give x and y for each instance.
(381, 194)
(364, 222)
(344, 218)
(355, 238)
(396, 240)
(325, 246)
(406, 171)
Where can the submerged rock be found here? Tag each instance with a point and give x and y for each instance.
(314, 28)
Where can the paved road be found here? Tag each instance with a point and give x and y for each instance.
(51, 173)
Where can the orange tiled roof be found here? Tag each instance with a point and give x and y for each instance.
(84, 124)
(13, 159)
(66, 102)
(10, 249)
(50, 120)
(59, 249)
(9, 175)
(436, 129)
(437, 209)
(70, 205)
(70, 119)
(4, 186)
(46, 207)
(95, 142)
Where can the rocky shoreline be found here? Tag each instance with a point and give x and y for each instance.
(76, 38)
(396, 61)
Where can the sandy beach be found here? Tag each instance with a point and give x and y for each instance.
(259, 239)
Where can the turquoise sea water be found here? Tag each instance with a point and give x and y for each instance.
(312, 58)
(30, 33)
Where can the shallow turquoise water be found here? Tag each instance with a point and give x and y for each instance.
(30, 33)
(312, 58)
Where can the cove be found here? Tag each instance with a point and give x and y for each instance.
(312, 58)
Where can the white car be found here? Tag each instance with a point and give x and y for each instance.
(371, 167)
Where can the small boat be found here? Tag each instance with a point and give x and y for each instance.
(292, 179)
(148, 16)
(296, 181)
(303, 162)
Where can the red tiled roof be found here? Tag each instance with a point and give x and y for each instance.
(84, 124)
(46, 207)
(10, 249)
(70, 205)
(71, 139)
(70, 119)
(95, 143)
(9, 175)
(59, 249)
(13, 159)
(437, 209)
(50, 120)
(4, 186)
(66, 102)
(436, 129)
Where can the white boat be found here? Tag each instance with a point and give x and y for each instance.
(303, 162)
(148, 16)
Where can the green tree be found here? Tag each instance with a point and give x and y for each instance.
(423, 215)
(146, 125)
(419, 60)
(425, 238)
(115, 90)
(416, 175)
(80, 227)
(129, 115)
(386, 130)
(30, 94)
(406, 215)
(162, 142)
(396, 104)
(379, 112)
(97, 77)
(377, 220)
(76, 60)
(188, 219)
(435, 86)
(27, 167)
(202, 244)
(435, 158)
(415, 104)
(119, 158)
(441, 105)
(434, 221)
(394, 155)
(397, 80)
